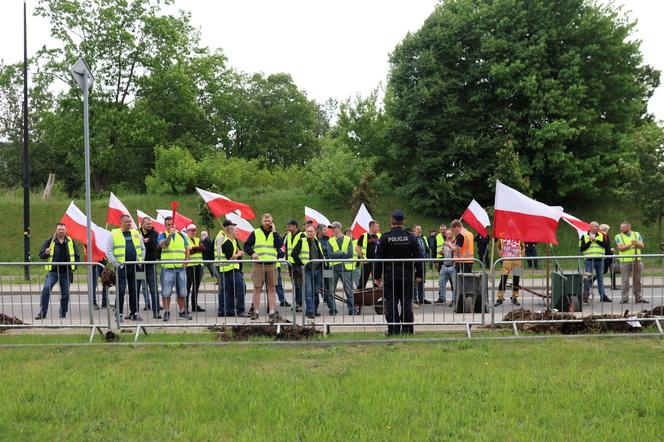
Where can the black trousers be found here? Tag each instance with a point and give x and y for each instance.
(398, 304)
(366, 271)
(194, 277)
(127, 277)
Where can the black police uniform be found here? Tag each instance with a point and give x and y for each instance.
(397, 277)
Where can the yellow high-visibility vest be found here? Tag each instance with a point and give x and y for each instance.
(120, 243)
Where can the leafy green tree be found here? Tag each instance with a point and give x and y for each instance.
(175, 171)
(362, 125)
(643, 171)
(337, 172)
(275, 122)
(562, 79)
(508, 169)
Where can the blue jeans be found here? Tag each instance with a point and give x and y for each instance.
(356, 277)
(446, 274)
(232, 302)
(51, 279)
(173, 278)
(346, 277)
(598, 265)
(151, 286)
(313, 284)
(419, 292)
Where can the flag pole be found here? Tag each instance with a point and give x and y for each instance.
(26, 163)
(548, 276)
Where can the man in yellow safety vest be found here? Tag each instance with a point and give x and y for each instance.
(592, 245)
(630, 244)
(58, 249)
(126, 246)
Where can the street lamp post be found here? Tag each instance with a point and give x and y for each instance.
(83, 77)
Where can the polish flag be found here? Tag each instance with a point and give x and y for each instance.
(244, 227)
(518, 217)
(360, 225)
(220, 205)
(317, 218)
(477, 218)
(115, 210)
(77, 228)
(181, 221)
(581, 227)
(159, 227)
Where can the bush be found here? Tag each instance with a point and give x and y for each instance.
(176, 172)
(337, 171)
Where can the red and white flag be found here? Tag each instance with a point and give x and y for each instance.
(77, 228)
(181, 221)
(316, 218)
(517, 216)
(477, 218)
(220, 205)
(244, 228)
(361, 222)
(115, 210)
(159, 227)
(581, 227)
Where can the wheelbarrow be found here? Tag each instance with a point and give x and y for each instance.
(366, 297)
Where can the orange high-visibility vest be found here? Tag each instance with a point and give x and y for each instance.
(468, 247)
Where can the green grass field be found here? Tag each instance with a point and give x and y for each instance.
(557, 389)
(284, 204)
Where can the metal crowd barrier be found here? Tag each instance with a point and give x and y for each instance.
(327, 297)
(49, 300)
(306, 298)
(462, 301)
(561, 289)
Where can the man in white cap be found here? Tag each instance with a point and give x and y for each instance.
(195, 268)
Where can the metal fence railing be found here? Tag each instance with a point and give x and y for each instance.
(50, 299)
(567, 290)
(341, 294)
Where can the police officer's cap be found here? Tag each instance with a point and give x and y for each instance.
(398, 216)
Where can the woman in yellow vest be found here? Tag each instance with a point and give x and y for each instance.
(306, 250)
(194, 268)
(232, 302)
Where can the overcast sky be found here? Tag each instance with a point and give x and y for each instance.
(332, 49)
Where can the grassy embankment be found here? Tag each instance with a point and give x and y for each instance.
(560, 389)
(284, 204)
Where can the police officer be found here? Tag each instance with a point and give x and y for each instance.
(400, 277)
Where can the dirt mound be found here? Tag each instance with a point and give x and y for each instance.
(247, 332)
(589, 324)
(6, 319)
(111, 337)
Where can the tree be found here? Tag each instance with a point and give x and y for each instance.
(337, 172)
(362, 125)
(562, 80)
(508, 169)
(644, 173)
(275, 122)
